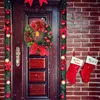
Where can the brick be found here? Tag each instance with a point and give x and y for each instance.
(73, 0)
(71, 53)
(2, 10)
(90, 9)
(90, 18)
(94, 13)
(94, 40)
(89, 1)
(73, 10)
(90, 98)
(81, 4)
(69, 49)
(81, 40)
(94, 93)
(90, 89)
(81, 93)
(2, 85)
(1, 4)
(95, 49)
(90, 27)
(1, 90)
(95, 85)
(73, 44)
(95, 80)
(95, 31)
(69, 93)
(1, 94)
(91, 36)
(72, 98)
(69, 5)
(86, 44)
(73, 89)
(95, 5)
(95, 22)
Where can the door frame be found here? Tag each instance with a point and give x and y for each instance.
(57, 41)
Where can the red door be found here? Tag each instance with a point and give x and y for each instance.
(34, 77)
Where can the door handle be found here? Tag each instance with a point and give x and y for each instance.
(18, 53)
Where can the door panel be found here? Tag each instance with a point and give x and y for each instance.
(37, 77)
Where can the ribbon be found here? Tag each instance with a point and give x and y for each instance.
(29, 1)
(40, 1)
(35, 48)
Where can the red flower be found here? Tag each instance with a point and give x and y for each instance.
(37, 25)
(28, 39)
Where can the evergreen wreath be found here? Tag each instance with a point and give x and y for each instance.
(38, 36)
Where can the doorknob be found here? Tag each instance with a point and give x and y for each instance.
(18, 56)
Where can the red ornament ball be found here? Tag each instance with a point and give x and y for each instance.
(50, 33)
(46, 31)
(63, 22)
(48, 41)
(7, 22)
(63, 47)
(46, 26)
(45, 38)
(50, 44)
(62, 68)
(62, 96)
(7, 95)
(7, 12)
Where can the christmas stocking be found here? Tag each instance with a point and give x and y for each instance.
(73, 69)
(88, 68)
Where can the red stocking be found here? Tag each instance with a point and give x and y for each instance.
(73, 69)
(88, 68)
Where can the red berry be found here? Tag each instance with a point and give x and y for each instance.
(46, 26)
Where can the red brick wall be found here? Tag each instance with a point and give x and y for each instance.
(1, 50)
(83, 23)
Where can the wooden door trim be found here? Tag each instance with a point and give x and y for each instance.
(57, 53)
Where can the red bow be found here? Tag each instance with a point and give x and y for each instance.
(40, 1)
(8, 66)
(35, 48)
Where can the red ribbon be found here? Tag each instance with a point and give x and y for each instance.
(35, 48)
(40, 1)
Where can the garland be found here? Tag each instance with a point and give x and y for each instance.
(7, 64)
(63, 34)
(38, 37)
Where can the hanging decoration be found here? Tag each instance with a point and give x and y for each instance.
(40, 1)
(63, 35)
(7, 63)
(38, 36)
(88, 68)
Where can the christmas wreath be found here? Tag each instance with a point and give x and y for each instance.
(38, 36)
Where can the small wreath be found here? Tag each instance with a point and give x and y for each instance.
(38, 36)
